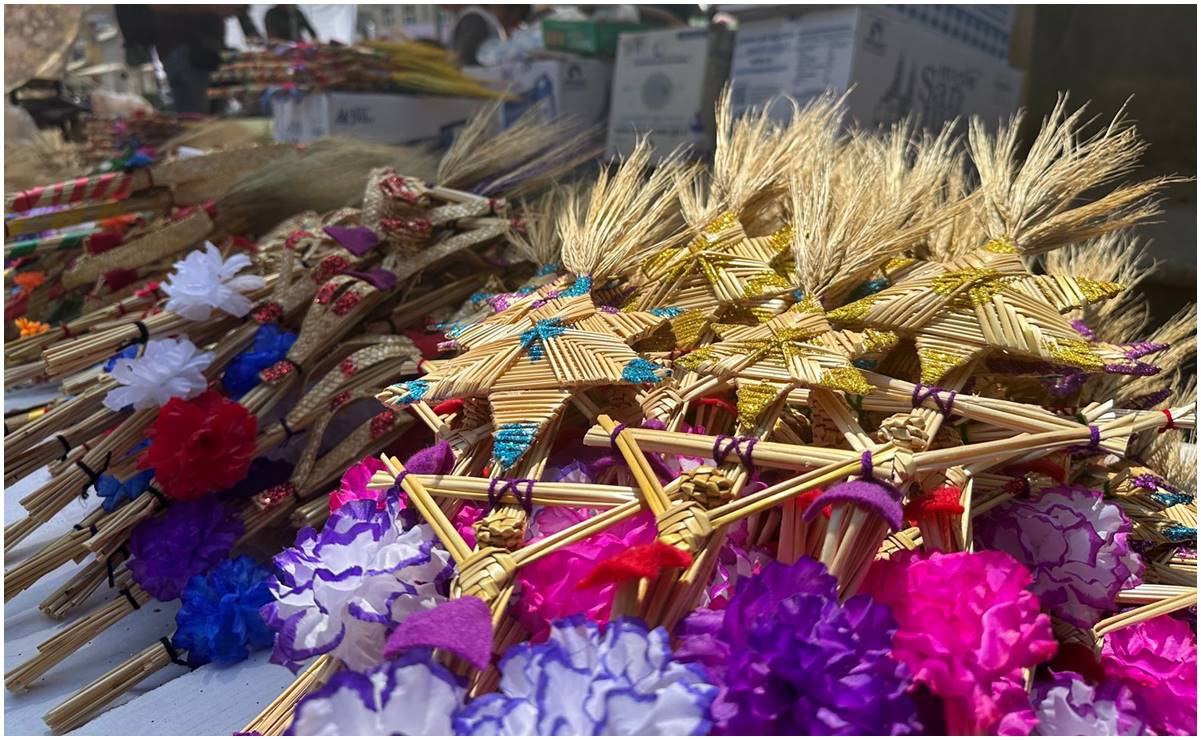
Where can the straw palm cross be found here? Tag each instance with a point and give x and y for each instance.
(530, 368)
(795, 348)
(986, 301)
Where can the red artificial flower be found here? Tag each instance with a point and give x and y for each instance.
(200, 446)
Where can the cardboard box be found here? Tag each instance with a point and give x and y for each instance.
(897, 69)
(382, 118)
(665, 84)
(576, 87)
(985, 28)
(591, 38)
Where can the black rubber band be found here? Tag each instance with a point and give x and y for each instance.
(129, 597)
(93, 475)
(79, 528)
(66, 446)
(288, 433)
(108, 565)
(172, 652)
(143, 333)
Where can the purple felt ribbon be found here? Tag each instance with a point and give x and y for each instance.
(462, 626)
(359, 240)
(380, 278)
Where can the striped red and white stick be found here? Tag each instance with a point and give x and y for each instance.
(108, 186)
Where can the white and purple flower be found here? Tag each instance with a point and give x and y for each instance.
(340, 591)
(585, 682)
(411, 696)
(1067, 705)
(1075, 545)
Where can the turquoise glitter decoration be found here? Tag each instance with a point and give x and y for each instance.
(415, 391)
(863, 364)
(581, 286)
(1179, 533)
(532, 338)
(548, 268)
(512, 441)
(669, 311)
(640, 371)
(1171, 499)
(869, 287)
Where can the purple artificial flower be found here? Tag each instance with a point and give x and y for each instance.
(187, 540)
(415, 695)
(623, 680)
(340, 591)
(792, 661)
(1075, 545)
(1068, 705)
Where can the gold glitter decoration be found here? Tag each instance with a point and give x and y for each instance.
(1097, 290)
(1074, 352)
(846, 379)
(688, 326)
(1004, 245)
(763, 283)
(695, 359)
(808, 304)
(721, 223)
(879, 341)
(781, 239)
(853, 311)
(952, 281)
(753, 399)
(662, 339)
(898, 263)
(935, 364)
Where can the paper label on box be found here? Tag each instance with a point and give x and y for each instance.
(664, 85)
(802, 58)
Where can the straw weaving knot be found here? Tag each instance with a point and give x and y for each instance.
(707, 486)
(503, 528)
(904, 430)
(485, 573)
(686, 526)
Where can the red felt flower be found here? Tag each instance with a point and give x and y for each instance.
(200, 446)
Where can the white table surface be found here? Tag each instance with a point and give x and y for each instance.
(207, 701)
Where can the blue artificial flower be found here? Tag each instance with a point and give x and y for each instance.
(582, 682)
(271, 344)
(115, 493)
(219, 621)
(128, 353)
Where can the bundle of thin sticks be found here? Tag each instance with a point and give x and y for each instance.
(300, 68)
(850, 355)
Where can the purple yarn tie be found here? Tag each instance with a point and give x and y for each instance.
(723, 446)
(922, 392)
(865, 462)
(521, 488)
(613, 435)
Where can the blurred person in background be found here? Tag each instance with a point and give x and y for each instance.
(288, 23)
(189, 40)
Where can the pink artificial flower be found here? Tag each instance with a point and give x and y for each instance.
(967, 627)
(547, 587)
(354, 484)
(1157, 661)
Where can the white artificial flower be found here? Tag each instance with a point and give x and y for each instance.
(169, 368)
(202, 281)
